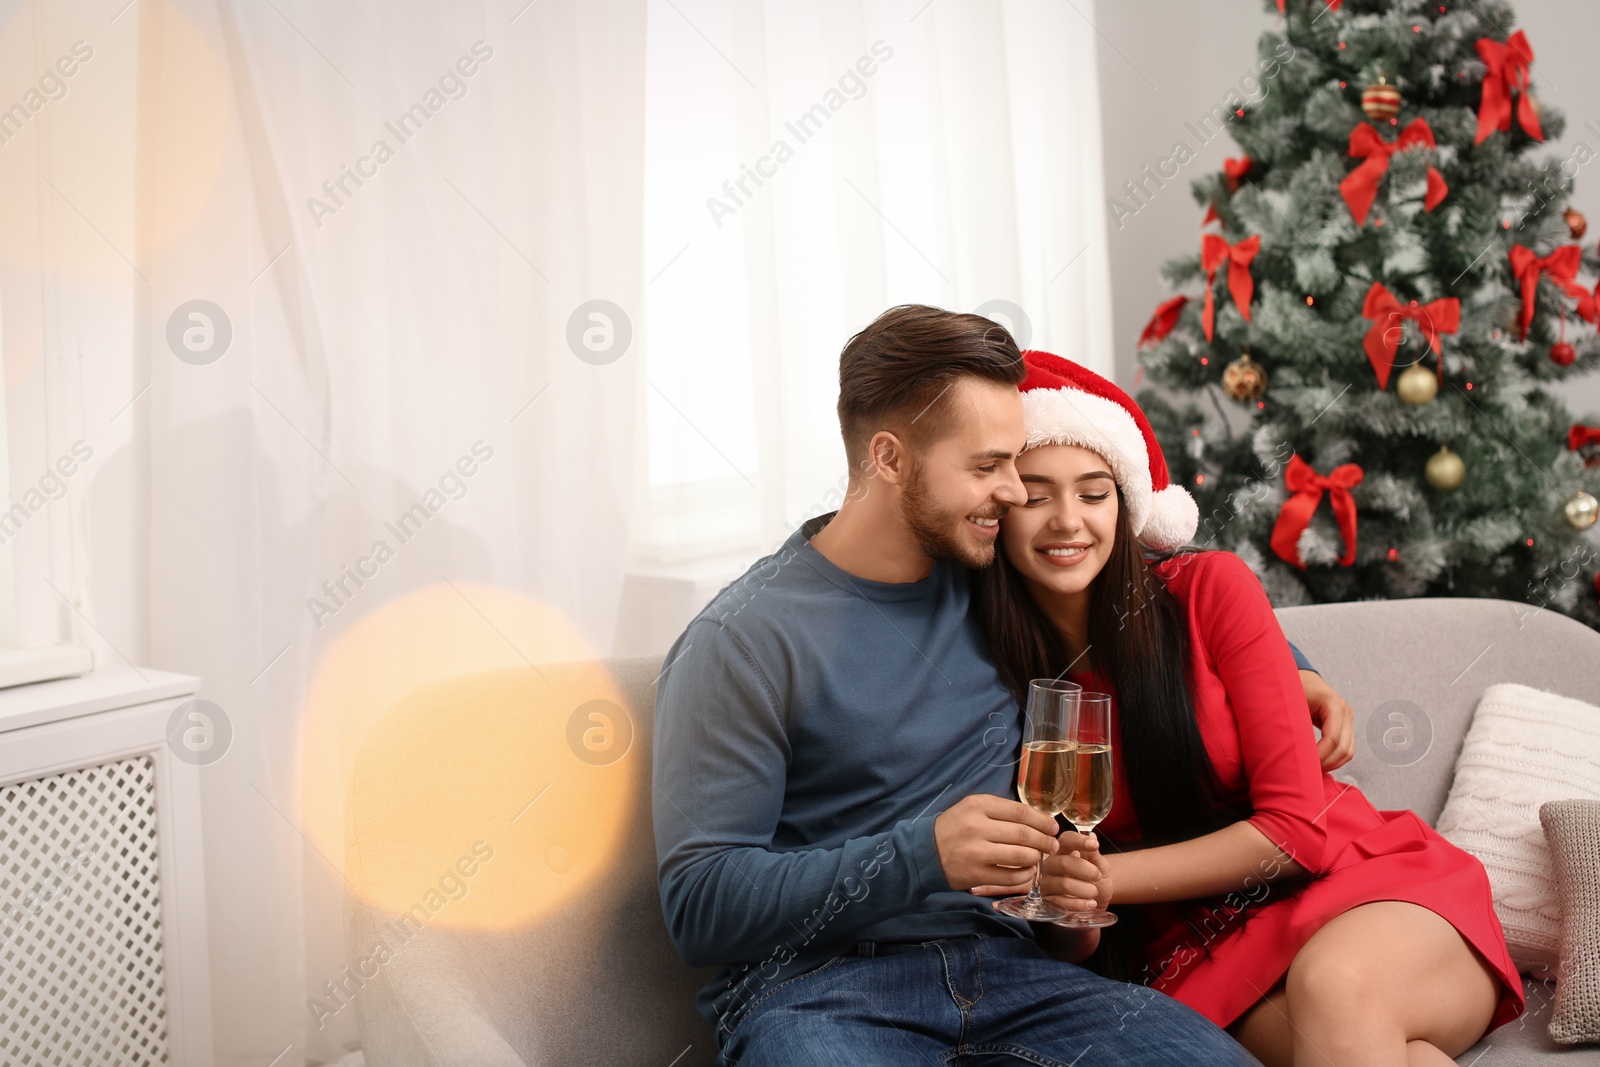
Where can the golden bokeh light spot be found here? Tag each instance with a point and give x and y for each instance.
(150, 113)
(460, 784)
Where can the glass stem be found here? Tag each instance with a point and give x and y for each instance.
(1034, 897)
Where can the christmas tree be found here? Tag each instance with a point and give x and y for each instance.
(1365, 395)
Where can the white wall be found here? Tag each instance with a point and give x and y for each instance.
(1164, 62)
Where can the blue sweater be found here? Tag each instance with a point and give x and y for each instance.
(809, 727)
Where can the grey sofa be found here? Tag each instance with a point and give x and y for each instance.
(601, 983)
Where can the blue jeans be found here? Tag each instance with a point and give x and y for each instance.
(969, 1001)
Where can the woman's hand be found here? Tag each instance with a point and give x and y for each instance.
(1335, 718)
(1077, 877)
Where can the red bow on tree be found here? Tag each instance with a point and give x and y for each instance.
(1162, 322)
(1388, 315)
(1307, 486)
(1233, 172)
(1562, 267)
(1360, 187)
(1507, 71)
(1214, 251)
(1581, 436)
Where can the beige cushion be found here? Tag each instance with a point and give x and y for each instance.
(1572, 829)
(1525, 747)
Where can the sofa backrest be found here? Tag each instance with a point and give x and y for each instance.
(1414, 671)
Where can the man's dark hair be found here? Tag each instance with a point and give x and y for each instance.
(894, 374)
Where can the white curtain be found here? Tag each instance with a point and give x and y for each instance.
(376, 350)
(440, 315)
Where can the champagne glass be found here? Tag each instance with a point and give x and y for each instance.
(1044, 775)
(1088, 801)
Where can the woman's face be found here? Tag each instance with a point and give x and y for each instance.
(1061, 538)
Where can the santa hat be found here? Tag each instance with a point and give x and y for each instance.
(1065, 404)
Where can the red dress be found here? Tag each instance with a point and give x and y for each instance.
(1253, 719)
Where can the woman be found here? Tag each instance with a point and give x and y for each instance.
(1274, 900)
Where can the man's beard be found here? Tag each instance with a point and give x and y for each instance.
(938, 531)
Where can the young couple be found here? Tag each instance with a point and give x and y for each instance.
(836, 739)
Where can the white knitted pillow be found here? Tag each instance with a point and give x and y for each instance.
(1525, 747)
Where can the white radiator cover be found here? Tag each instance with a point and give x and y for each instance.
(81, 966)
(102, 905)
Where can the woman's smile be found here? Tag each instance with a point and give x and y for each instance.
(1057, 554)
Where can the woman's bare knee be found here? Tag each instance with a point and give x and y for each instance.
(1401, 971)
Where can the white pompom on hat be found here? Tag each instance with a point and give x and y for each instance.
(1067, 404)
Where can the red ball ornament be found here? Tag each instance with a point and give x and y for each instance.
(1563, 353)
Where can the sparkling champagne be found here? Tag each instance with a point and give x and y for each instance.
(1088, 797)
(1044, 782)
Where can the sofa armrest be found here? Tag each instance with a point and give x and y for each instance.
(422, 1008)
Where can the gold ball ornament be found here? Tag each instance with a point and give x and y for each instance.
(1581, 511)
(1244, 378)
(1417, 386)
(1381, 102)
(1445, 469)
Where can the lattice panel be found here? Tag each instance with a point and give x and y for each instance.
(82, 980)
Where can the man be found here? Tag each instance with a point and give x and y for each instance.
(835, 756)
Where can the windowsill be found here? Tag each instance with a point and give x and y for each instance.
(661, 596)
(728, 563)
(25, 666)
(691, 523)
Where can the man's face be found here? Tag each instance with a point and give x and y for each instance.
(958, 487)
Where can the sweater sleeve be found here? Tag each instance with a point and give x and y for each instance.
(720, 758)
(1300, 661)
(1269, 705)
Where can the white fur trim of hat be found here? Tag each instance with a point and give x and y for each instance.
(1064, 403)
